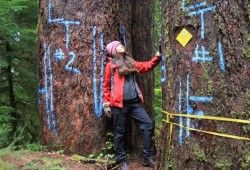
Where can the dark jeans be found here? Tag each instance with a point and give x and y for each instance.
(136, 111)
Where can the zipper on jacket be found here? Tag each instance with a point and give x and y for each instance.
(112, 82)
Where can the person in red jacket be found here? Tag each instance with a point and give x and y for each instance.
(122, 96)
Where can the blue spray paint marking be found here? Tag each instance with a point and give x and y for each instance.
(201, 99)
(102, 74)
(67, 67)
(51, 96)
(189, 108)
(61, 21)
(163, 58)
(95, 70)
(193, 6)
(163, 68)
(199, 113)
(183, 5)
(180, 112)
(42, 90)
(67, 24)
(201, 55)
(123, 35)
(46, 87)
(49, 15)
(59, 55)
(98, 102)
(222, 63)
(196, 6)
(201, 12)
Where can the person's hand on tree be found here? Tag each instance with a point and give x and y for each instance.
(107, 110)
(159, 52)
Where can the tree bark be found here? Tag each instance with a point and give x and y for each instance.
(220, 78)
(68, 90)
(137, 18)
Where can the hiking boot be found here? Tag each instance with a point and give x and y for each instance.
(149, 162)
(124, 166)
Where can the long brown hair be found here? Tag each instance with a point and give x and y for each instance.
(126, 65)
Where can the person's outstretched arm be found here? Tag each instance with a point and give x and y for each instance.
(149, 65)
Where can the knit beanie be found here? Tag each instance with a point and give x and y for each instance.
(111, 47)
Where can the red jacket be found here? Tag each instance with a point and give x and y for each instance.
(115, 95)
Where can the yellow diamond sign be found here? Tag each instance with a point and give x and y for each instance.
(184, 37)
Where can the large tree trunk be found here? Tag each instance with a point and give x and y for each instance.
(137, 19)
(221, 79)
(70, 96)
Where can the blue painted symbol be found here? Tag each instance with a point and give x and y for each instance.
(61, 21)
(201, 55)
(49, 15)
(98, 99)
(67, 24)
(49, 105)
(192, 6)
(164, 69)
(200, 12)
(199, 99)
(189, 109)
(221, 57)
(59, 55)
(51, 95)
(46, 86)
(67, 67)
(180, 112)
(42, 90)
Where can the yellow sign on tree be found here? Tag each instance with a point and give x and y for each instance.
(184, 37)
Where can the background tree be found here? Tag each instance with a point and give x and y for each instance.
(71, 35)
(141, 21)
(209, 76)
(18, 82)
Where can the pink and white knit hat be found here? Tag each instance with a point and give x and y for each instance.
(111, 48)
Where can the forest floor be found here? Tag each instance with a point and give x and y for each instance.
(30, 160)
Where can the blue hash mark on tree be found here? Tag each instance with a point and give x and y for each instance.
(59, 55)
(201, 55)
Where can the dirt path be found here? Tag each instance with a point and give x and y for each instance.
(28, 160)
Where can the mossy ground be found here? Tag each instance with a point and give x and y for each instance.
(30, 160)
